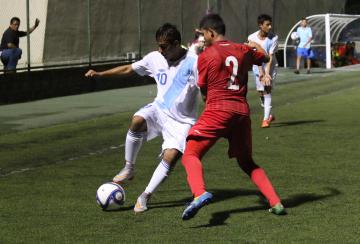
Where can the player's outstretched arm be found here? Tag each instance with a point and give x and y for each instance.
(120, 70)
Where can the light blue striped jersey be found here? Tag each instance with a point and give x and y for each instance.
(270, 45)
(177, 92)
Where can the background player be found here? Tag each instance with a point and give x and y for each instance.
(171, 114)
(304, 47)
(265, 74)
(223, 74)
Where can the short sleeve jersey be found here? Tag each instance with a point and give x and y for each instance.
(177, 93)
(11, 36)
(223, 72)
(270, 45)
(304, 34)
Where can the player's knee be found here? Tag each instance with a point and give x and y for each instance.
(171, 156)
(247, 165)
(138, 124)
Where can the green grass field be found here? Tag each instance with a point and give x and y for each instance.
(55, 153)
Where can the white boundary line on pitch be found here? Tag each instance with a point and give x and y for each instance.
(19, 171)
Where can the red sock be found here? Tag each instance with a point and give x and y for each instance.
(258, 176)
(194, 172)
(191, 161)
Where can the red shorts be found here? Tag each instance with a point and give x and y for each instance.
(235, 127)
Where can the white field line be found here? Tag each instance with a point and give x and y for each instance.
(98, 152)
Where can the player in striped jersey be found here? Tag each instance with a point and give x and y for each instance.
(265, 74)
(170, 115)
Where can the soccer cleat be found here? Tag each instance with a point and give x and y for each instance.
(271, 118)
(278, 209)
(198, 202)
(123, 175)
(141, 203)
(265, 123)
(297, 72)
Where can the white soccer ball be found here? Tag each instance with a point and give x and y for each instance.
(294, 36)
(110, 196)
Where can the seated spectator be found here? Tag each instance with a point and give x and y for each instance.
(9, 48)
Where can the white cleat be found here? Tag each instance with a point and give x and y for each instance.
(141, 203)
(123, 175)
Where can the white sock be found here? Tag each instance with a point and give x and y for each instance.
(133, 143)
(267, 106)
(159, 175)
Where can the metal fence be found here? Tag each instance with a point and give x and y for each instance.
(90, 32)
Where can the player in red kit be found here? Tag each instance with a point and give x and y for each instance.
(223, 74)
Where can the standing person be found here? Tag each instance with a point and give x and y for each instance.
(304, 47)
(223, 74)
(269, 42)
(9, 47)
(170, 115)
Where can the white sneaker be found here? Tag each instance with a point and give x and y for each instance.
(141, 203)
(123, 175)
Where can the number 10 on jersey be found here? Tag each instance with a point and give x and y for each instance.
(162, 77)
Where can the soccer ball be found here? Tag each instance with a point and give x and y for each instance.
(294, 36)
(110, 196)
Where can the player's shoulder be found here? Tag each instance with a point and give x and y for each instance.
(253, 36)
(273, 36)
(191, 55)
(153, 54)
(241, 46)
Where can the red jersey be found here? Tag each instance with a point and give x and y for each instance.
(223, 73)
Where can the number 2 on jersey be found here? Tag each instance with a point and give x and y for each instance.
(232, 84)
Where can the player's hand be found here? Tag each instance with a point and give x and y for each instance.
(91, 73)
(37, 21)
(266, 80)
(261, 77)
(252, 44)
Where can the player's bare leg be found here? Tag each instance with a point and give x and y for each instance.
(168, 162)
(134, 140)
(298, 60)
(308, 65)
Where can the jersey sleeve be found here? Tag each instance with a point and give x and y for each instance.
(274, 45)
(142, 67)
(202, 66)
(258, 57)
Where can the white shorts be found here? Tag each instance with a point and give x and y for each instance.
(158, 123)
(260, 86)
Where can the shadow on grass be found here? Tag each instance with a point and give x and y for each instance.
(219, 195)
(219, 218)
(299, 122)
